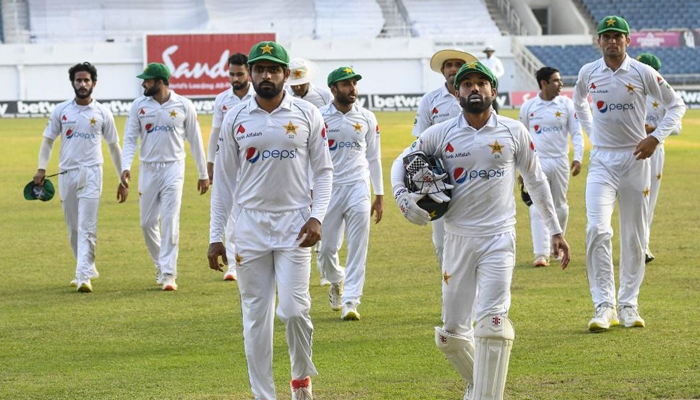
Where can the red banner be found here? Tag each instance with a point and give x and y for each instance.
(198, 63)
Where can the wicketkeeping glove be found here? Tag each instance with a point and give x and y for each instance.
(410, 210)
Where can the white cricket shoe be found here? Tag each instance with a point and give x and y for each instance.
(349, 312)
(469, 393)
(541, 261)
(301, 389)
(95, 275)
(334, 296)
(605, 317)
(629, 316)
(169, 282)
(84, 286)
(230, 275)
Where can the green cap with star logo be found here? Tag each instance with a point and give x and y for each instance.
(341, 74)
(44, 192)
(268, 50)
(613, 23)
(478, 67)
(650, 60)
(154, 71)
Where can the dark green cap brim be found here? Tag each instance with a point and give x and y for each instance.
(475, 68)
(345, 78)
(268, 58)
(43, 193)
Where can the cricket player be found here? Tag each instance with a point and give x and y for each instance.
(619, 168)
(551, 118)
(82, 123)
(655, 114)
(241, 90)
(163, 120)
(302, 72)
(437, 106)
(262, 167)
(481, 152)
(353, 141)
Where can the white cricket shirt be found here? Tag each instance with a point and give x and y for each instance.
(315, 95)
(227, 100)
(163, 129)
(435, 107)
(353, 141)
(263, 161)
(81, 129)
(550, 123)
(619, 103)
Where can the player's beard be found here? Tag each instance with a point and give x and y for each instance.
(345, 99)
(267, 89)
(475, 107)
(153, 90)
(238, 85)
(83, 95)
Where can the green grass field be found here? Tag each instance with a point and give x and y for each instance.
(129, 340)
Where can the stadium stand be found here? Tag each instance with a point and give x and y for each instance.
(451, 19)
(679, 64)
(289, 19)
(348, 19)
(2, 37)
(647, 14)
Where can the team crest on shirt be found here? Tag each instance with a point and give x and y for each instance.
(93, 121)
(357, 127)
(291, 130)
(173, 114)
(496, 148)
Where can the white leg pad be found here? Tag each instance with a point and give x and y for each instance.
(459, 352)
(494, 341)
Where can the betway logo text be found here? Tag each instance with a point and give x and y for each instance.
(396, 101)
(197, 70)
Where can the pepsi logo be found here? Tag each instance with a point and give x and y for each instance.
(449, 148)
(602, 106)
(149, 128)
(332, 145)
(240, 129)
(252, 155)
(460, 175)
(538, 129)
(69, 132)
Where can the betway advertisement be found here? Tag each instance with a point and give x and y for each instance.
(198, 62)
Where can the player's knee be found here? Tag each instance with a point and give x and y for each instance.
(293, 313)
(599, 231)
(495, 326)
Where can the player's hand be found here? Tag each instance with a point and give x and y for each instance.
(122, 193)
(312, 231)
(203, 185)
(378, 208)
(559, 246)
(409, 208)
(210, 171)
(646, 147)
(215, 251)
(125, 178)
(649, 128)
(575, 168)
(39, 177)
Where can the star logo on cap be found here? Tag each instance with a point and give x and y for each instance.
(298, 73)
(610, 22)
(630, 88)
(496, 148)
(267, 49)
(557, 114)
(433, 214)
(291, 129)
(348, 70)
(646, 192)
(173, 114)
(472, 64)
(446, 278)
(357, 127)
(93, 121)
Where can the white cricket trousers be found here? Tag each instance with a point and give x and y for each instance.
(160, 197)
(557, 171)
(657, 169)
(476, 278)
(80, 190)
(270, 254)
(349, 209)
(439, 239)
(614, 173)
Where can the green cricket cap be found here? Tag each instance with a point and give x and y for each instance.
(341, 74)
(35, 192)
(154, 71)
(268, 50)
(613, 23)
(478, 67)
(650, 60)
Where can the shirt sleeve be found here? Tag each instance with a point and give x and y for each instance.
(575, 132)
(524, 115)
(213, 143)
(659, 89)
(528, 164)
(132, 131)
(422, 121)
(321, 165)
(581, 107)
(222, 194)
(374, 155)
(109, 128)
(53, 126)
(218, 116)
(193, 133)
